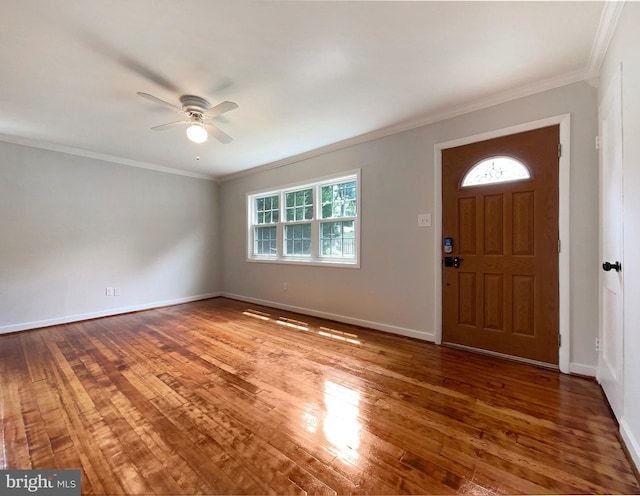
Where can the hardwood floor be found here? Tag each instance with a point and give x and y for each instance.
(223, 397)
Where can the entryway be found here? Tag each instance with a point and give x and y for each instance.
(500, 242)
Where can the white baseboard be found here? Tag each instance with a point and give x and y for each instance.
(102, 313)
(412, 333)
(631, 442)
(581, 369)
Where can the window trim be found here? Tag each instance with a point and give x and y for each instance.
(314, 258)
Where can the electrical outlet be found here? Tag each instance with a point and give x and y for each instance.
(424, 220)
(597, 344)
(108, 291)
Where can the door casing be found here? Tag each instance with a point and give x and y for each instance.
(564, 121)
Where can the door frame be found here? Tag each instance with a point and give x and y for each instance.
(564, 266)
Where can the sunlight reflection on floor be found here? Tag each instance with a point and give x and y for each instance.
(326, 332)
(341, 425)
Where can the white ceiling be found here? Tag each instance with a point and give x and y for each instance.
(305, 74)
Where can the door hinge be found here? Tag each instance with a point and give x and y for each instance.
(559, 246)
(559, 340)
(559, 150)
(597, 142)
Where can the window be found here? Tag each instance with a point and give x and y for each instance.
(315, 223)
(338, 202)
(265, 234)
(495, 170)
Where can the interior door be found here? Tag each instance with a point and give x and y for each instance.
(611, 231)
(500, 278)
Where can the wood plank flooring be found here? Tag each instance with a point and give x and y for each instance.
(223, 397)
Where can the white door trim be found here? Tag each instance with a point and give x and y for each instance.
(564, 121)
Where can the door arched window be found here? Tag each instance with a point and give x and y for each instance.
(495, 170)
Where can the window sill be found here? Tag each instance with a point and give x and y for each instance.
(314, 263)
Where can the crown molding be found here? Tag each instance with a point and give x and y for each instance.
(455, 111)
(43, 145)
(608, 21)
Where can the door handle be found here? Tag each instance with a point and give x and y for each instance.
(456, 262)
(607, 266)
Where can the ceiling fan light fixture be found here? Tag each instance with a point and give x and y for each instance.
(195, 111)
(197, 133)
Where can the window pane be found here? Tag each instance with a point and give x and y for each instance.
(495, 170)
(337, 239)
(299, 205)
(297, 239)
(267, 210)
(266, 242)
(339, 200)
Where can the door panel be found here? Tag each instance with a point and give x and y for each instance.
(504, 296)
(522, 239)
(467, 291)
(523, 305)
(493, 225)
(494, 302)
(610, 364)
(467, 223)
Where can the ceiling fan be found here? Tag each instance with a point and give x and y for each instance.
(196, 111)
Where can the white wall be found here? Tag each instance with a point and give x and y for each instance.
(624, 50)
(394, 288)
(71, 226)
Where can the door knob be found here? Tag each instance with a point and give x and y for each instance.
(607, 266)
(456, 262)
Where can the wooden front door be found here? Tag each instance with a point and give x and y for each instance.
(500, 277)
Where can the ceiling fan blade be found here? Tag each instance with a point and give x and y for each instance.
(218, 134)
(221, 108)
(162, 127)
(161, 102)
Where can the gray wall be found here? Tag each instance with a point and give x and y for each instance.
(71, 226)
(394, 288)
(624, 50)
